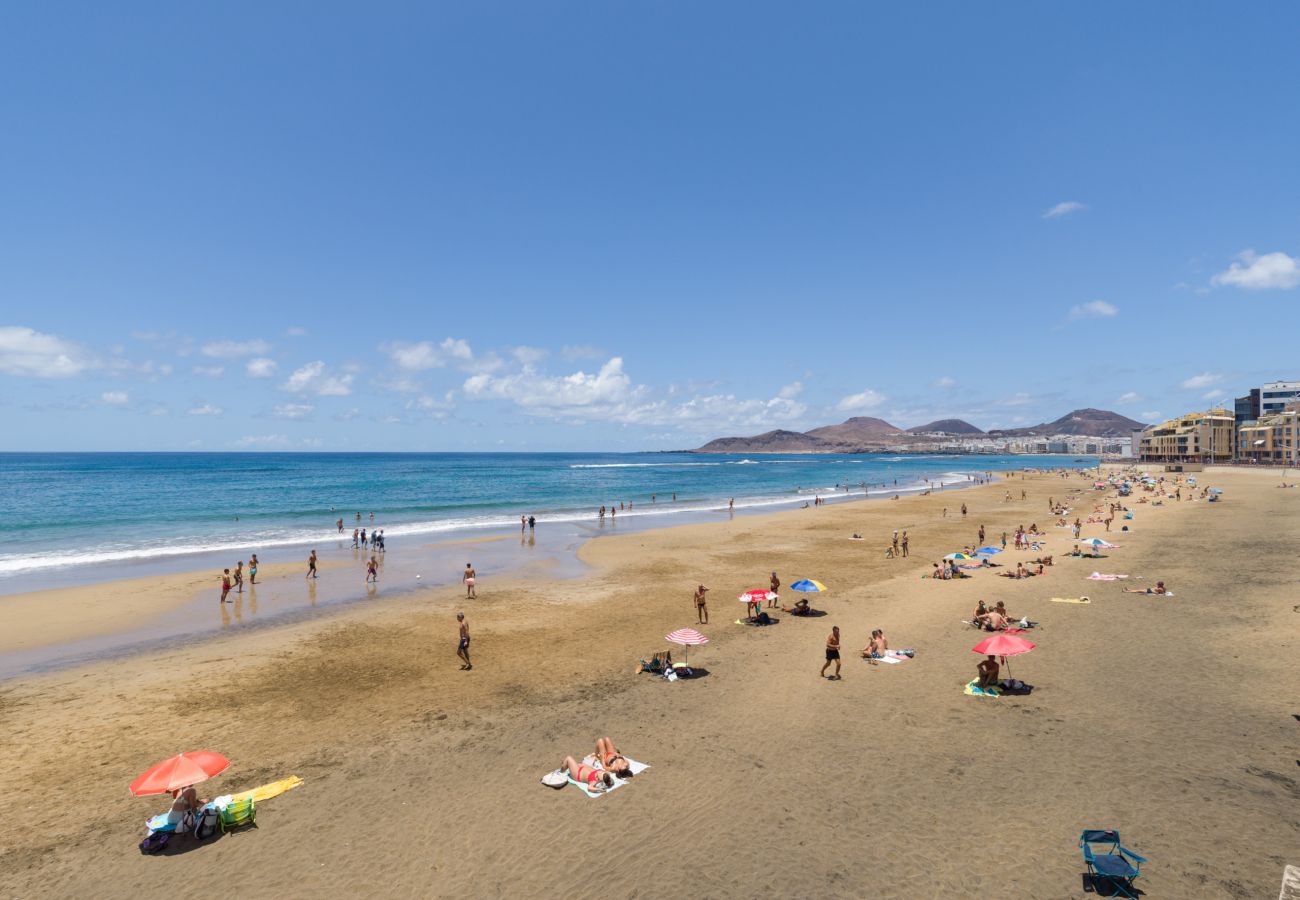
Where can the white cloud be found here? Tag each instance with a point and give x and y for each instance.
(1216, 394)
(236, 349)
(206, 409)
(432, 404)
(293, 410)
(1129, 397)
(529, 356)
(1151, 415)
(24, 351)
(790, 391)
(1204, 380)
(115, 398)
(313, 379)
(265, 441)
(210, 371)
(867, 399)
(295, 331)
(1258, 273)
(262, 367)
(609, 395)
(424, 355)
(944, 382)
(575, 352)
(1094, 309)
(347, 415)
(1063, 209)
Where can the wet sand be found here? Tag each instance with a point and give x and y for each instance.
(1170, 719)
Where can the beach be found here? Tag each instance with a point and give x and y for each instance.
(1171, 719)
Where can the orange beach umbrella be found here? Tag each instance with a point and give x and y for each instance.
(179, 771)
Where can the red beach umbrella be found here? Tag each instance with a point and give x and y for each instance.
(756, 596)
(179, 771)
(1003, 645)
(687, 637)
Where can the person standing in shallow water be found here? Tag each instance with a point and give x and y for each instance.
(239, 577)
(469, 578)
(462, 647)
(311, 565)
(225, 585)
(252, 569)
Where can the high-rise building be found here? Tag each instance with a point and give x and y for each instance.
(1274, 396)
(1247, 408)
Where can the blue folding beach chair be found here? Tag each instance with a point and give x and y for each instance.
(1111, 863)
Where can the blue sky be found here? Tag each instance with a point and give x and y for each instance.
(634, 226)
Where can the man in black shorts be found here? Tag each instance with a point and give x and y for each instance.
(833, 652)
(462, 649)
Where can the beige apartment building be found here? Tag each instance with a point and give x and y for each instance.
(1203, 437)
(1272, 440)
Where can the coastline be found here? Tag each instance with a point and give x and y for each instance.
(873, 781)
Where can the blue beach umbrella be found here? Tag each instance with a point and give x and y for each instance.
(988, 551)
(808, 586)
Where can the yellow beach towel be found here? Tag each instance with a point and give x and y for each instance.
(267, 791)
(1069, 599)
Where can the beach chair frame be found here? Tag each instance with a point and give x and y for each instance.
(1116, 865)
(237, 814)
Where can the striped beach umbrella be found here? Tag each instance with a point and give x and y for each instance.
(687, 637)
(808, 586)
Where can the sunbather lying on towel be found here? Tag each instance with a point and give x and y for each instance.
(800, 608)
(596, 779)
(609, 757)
(1158, 589)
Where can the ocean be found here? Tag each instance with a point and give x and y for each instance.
(76, 517)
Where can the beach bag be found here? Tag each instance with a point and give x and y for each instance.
(155, 843)
(207, 823)
(764, 619)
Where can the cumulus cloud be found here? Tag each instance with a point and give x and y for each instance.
(1020, 399)
(262, 367)
(24, 351)
(1063, 209)
(293, 410)
(1204, 380)
(1094, 309)
(236, 349)
(424, 355)
(1151, 415)
(207, 409)
(430, 404)
(1129, 397)
(610, 395)
(263, 441)
(1258, 273)
(865, 400)
(790, 391)
(314, 379)
(209, 371)
(1216, 394)
(944, 382)
(529, 356)
(115, 398)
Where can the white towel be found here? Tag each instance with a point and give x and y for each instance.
(636, 768)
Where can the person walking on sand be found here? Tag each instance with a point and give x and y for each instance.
(239, 577)
(963, 510)
(468, 578)
(225, 585)
(894, 544)
(904, 542)
(462, 647)
(832, 653)
(775, 588)
(981, 540)
(311, 566)
(701, 605)
(252, 570)
(372, 570)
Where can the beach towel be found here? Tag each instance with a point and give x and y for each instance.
(635, 767)
(1069, 599)
(892, 657)
(974, 690)
(1097, 576)
(266, 791)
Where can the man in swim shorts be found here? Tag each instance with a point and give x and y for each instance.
(462, 648)
(832, 652)
(469, 579)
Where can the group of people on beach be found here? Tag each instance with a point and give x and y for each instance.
(235, 579)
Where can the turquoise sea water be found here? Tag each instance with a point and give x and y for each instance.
(73, 511)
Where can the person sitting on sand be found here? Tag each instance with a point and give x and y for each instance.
(877, 647)
(980, 611)
(800, 608)
(1158, 589)
(595, 778)
(185, 802)
(992, 621)
(988, 672)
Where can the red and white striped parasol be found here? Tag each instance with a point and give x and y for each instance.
(756, 596)
(686, 637)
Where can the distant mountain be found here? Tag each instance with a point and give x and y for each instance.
(1084, 422)
(857, 430)
(769, 442)
(946, 426)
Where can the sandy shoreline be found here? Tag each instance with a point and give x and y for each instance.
(765, 780)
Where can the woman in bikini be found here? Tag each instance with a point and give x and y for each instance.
(610, 758)
(594, 778)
